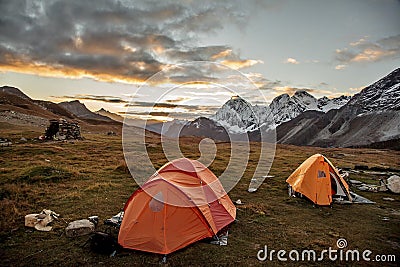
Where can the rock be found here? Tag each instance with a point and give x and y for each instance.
(239, 202)
(79, 228)
(355, 182)
(23, 139)
(388, 199)
(393, 184)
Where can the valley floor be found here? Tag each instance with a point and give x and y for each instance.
(83, 178)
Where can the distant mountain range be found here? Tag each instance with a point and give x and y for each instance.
(369, 118)
(13, 99)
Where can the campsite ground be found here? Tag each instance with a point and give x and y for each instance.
(83, 178)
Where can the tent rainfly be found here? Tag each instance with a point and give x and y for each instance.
(318, 180)
(183, 202)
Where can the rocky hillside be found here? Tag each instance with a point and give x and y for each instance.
(81, 111)
(371, 116)
(19, 109)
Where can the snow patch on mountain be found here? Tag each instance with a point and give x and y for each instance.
(239, 116)
(380, 96)
(284, 108)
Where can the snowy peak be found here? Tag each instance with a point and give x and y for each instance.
(325, 104)
(284, 108)
(304, 100)
(380, 96)
(239, 116)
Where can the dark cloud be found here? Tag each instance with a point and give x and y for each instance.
(169, 110)
(113, 40)
(167, 105)
(100, 98)
(177, 100)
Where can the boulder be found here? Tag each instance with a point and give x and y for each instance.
(393, 184)
(79, 228)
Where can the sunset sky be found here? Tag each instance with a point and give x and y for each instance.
(102, 52)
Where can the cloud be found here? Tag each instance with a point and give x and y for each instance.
(366, 51)
(167, 110)
(100, 98)
(170, 106)
(359, 42)
(291, 90)
(261, 82)
(340, 67)
(240, 64)
(291, 60)
(356, 89)
(121, 41)
(177, 100)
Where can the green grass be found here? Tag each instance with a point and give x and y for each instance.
(90, 177)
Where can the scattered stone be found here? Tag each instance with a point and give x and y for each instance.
(239, 202)
(388, 199)
(23, 139)
(393, 184)
(355, 182)
(79, 228)
(5, 142)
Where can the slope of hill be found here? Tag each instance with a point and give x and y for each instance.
(204, 127)
(369, 117)
(113, 116)
(82, 112)
(16, 108)
(14, 91)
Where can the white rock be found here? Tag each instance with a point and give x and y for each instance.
(393, 184)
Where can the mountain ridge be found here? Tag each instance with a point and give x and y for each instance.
(370, 116)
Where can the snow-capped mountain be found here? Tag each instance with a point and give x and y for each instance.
(380, 96)
(239, 116)
(325, 104)
(284, 108)
(371, 117)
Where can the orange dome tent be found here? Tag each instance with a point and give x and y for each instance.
(318, 180)
(180, 204)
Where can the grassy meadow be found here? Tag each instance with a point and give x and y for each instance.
(83, 178)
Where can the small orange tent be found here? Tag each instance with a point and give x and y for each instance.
(318, 180)
(181, 203)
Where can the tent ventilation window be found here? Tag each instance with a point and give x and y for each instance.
(157, 203)
(321, 174)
